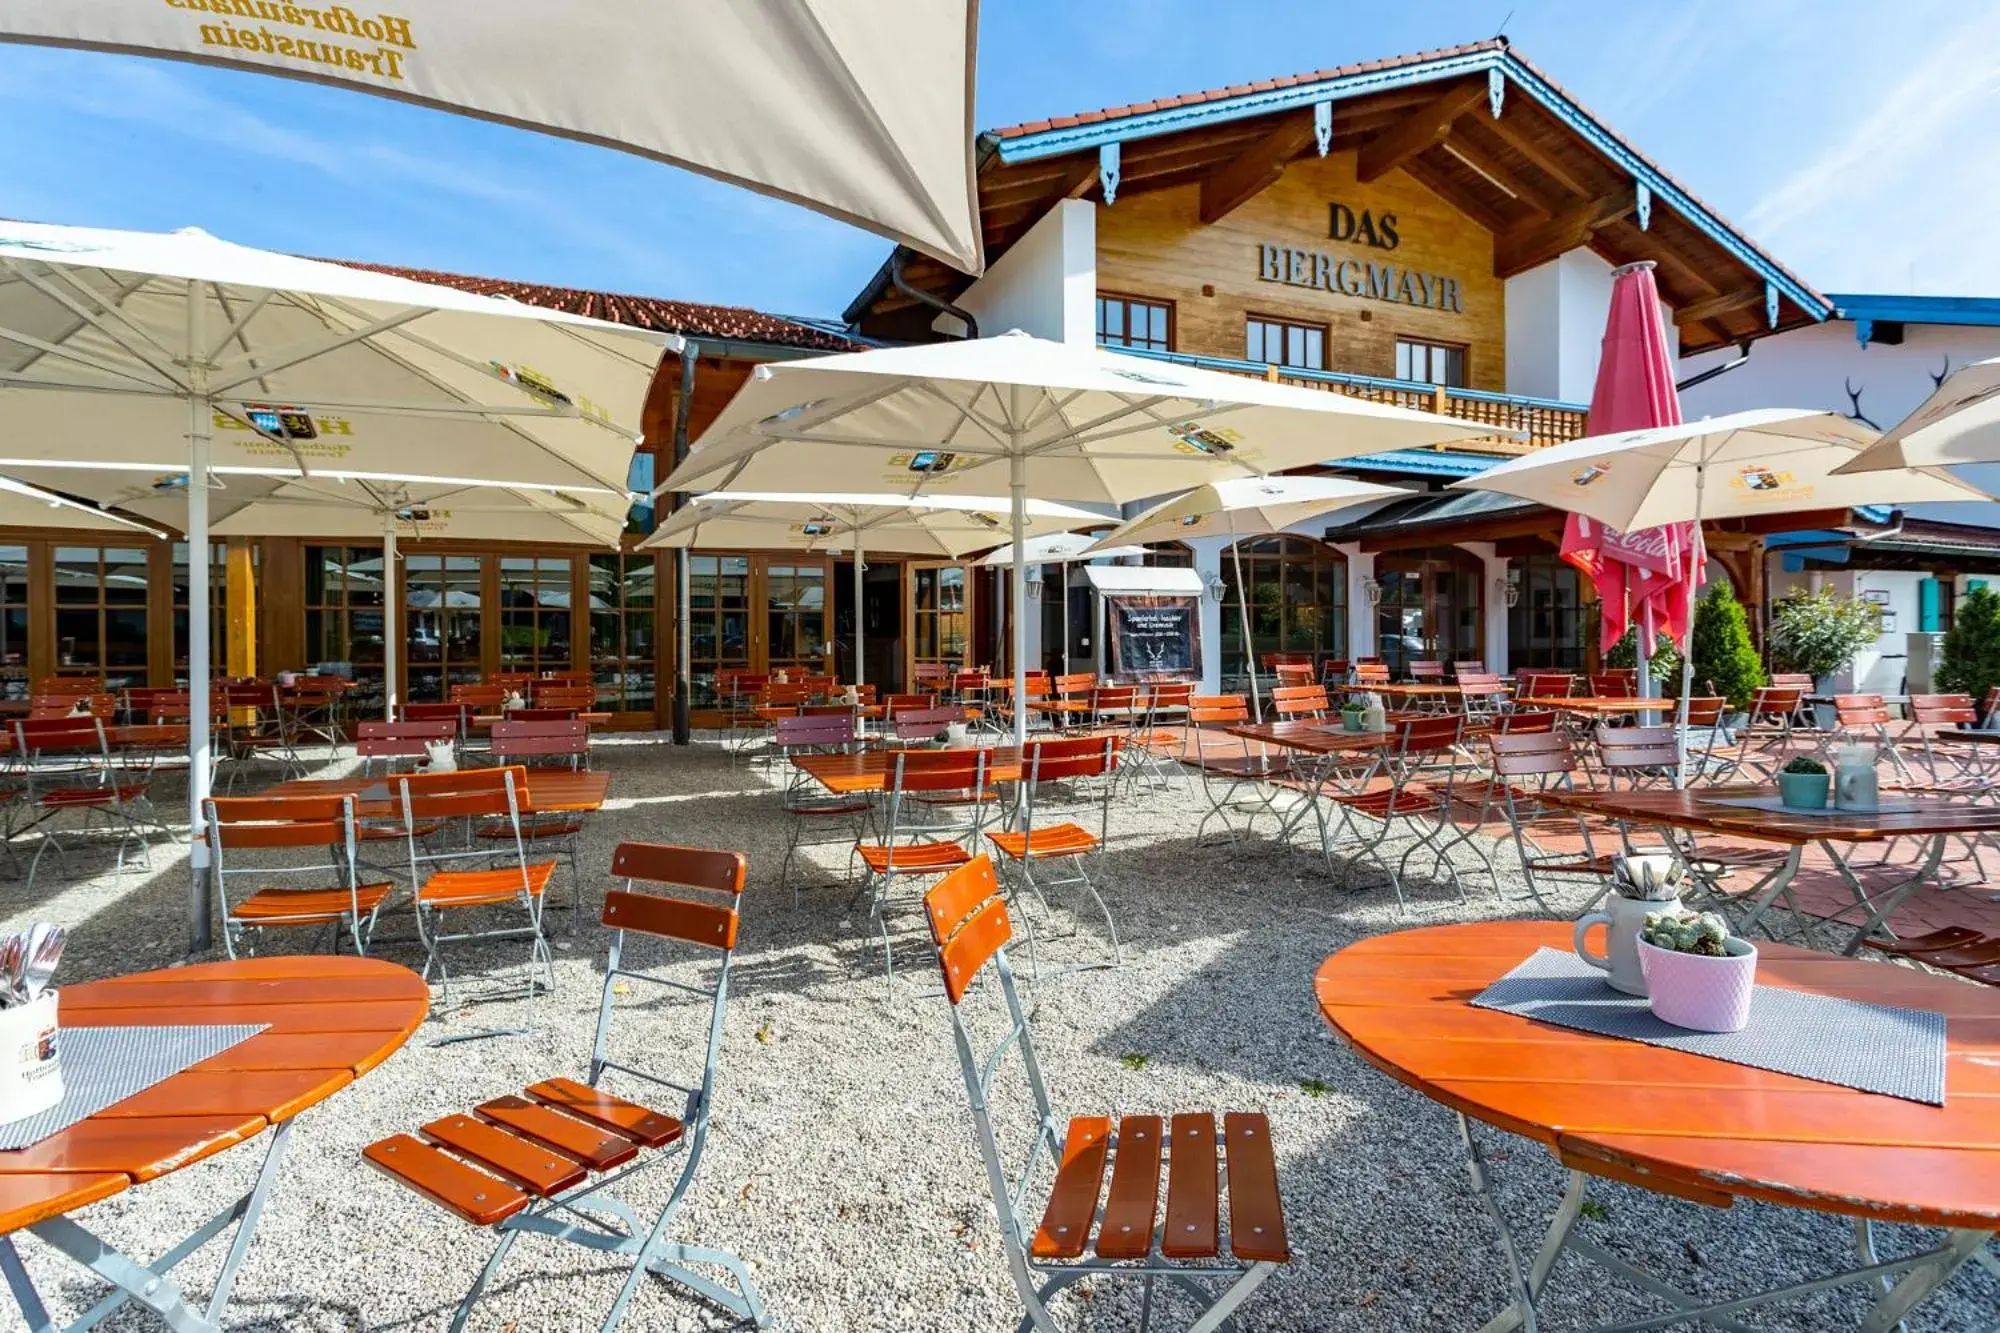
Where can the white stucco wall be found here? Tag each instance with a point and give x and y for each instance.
(1825, 366)
(1555, 326)
(1046, 283)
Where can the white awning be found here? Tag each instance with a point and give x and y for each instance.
(1145, 580)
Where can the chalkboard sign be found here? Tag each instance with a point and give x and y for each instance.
(1152, 637)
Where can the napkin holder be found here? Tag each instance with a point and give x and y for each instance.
(30, 1058)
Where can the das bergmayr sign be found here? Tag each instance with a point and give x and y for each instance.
(1356, 276)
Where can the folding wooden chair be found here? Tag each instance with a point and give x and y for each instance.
(1423, 745)
(898, 703)
(237, 826)
(546, 1162)
(480, 797)
(1298, 703)
(970, 927)
(1040, 852)
(1764, 743)
(564, 701)
(1859, 718)
(1530, 684)
(1224, 776)
(1528, 766)
(1293, 673)
(1426, 673)
(1153, 748)
(921, 725)
(808, 809)
(258, 730)
(68, 685)
(914, 841)
(1931, 714)
(562, 742)
(69, 774)
(390, 742)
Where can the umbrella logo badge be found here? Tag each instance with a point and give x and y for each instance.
(930, 462)
(818, 527)
(1584, 476)
(282, 423)
(536, 383)
(1192, 520)
(1193, 437)
(1758, 477)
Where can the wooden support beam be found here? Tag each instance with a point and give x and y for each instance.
(1081, 182)
(240, 609)
(1425, 128)
(1245, 176)
(1700, 312)
(1462, 147)
(1511, 128)
(1520, 250)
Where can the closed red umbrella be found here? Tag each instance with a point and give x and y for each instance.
(1649, 576)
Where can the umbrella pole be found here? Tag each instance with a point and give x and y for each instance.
(1249, 649)
(1687, 648)
(1017, 486)
(201, 423)
(860, 672)
(392, 620)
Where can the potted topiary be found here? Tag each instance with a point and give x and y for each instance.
(1351, 714)
(1698, 975)
(1803, 783)
(1970, 663)
(1725, 661)
(1820, 633)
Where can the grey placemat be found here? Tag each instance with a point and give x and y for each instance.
(104, 1066)
(1872, 1047)
(1777, 805)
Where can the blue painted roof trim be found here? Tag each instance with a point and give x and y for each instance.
(1055, 142)
(1422, 461)
(1239, 364)
(1976, 310)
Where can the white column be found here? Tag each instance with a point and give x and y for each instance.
(1208, 564)
(1017, 487)
(1492, 566)
(1360, 611)
(860, 569)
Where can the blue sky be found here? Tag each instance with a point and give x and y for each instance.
(1854, 139)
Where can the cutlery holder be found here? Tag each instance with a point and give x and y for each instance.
(30, 1058)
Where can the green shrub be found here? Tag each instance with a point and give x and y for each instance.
(1819, 633)
(1665, 663)
(1725, 661)
(1971, 662)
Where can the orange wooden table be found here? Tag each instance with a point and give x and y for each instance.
(329, 1021)
(868, 771)
(1594, 705)
(551, 791)
(1683, 1124)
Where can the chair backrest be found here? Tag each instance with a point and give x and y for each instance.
(1060, 760)
(38, 737)
(560, 738)
(1218, 710)
(237, 822)
(938, 770)
(1169, 696)
(519, 682)
(576, 700)
(1614, 683)
(1531, 754)
(924, 723)
(1371, 673)
(737, 686)
(1294, 701)
(897, 703)
(1624, 748)
(1459, 670)
(452, 713)
(1481, 684)
(1114, 698)
(73, 705)
(1333, 670)
(1076, 682)
(1422, 734)
(1801, 680)
(468, 792)
(813, 731)
(1943, 710)
(1860, 710)
(785, 694)
(1773, 703)
(479, 696)
(1294, 673)
(1528, 720)
(401, 740)
(1543, 684)
(1426, 671)
(976, 679)
(1705, 710)
(68, 685)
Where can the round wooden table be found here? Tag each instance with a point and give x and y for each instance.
(1684, 1124)
(329, 1020)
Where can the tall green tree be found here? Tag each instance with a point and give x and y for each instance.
(1725, 661)
(1819, 633)
(1971, 661)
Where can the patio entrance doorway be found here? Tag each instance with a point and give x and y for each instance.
(881, 621)
(1432, 607)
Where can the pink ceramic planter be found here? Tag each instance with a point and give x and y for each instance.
(1692, 990)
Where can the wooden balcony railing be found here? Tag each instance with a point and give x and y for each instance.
(1543, 421)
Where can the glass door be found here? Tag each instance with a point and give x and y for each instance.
(535, 596)
(719, 622)
(938, 609)
(796, 615)
(1431, 608)
(445, 633)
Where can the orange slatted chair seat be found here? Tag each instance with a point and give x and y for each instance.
(562, 828)
(810, 807)
(913, 858)
(425, 828)
(1128, 1220)
(1381, 804)
(1045, 843)
(309, 905)
(476, 888)
(73, 798)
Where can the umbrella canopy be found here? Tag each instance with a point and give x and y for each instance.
(1958, 423)
(860, 111)
(1062, 548)
(1246, 506)
(136, 355)
(25, 506)
(941, 525)
(1766, 461)
(1074, 423)
(1654, 573)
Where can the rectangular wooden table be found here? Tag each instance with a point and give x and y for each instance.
(869, 771)
(1934, 821)
(551, 791)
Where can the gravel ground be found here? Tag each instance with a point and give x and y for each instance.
(843, 1163)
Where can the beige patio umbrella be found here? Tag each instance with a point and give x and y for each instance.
(1070, 422)
(942, 525)
(860, 109)
(1958, 423)
(25, 506)
(1238, 507)
(1766, 461)
(133, 355)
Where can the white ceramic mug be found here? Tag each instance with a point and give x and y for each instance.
(1622, 919)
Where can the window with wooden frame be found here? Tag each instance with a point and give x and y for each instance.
(344, 616)
(1133, 321)
(218, 606)
(1426, 362)
(100, 596)
(1285, 342)
(14, 621)
(623, 591)
(535, 596)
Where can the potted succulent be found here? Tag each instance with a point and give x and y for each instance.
(1803, 783)
(1697, 974)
